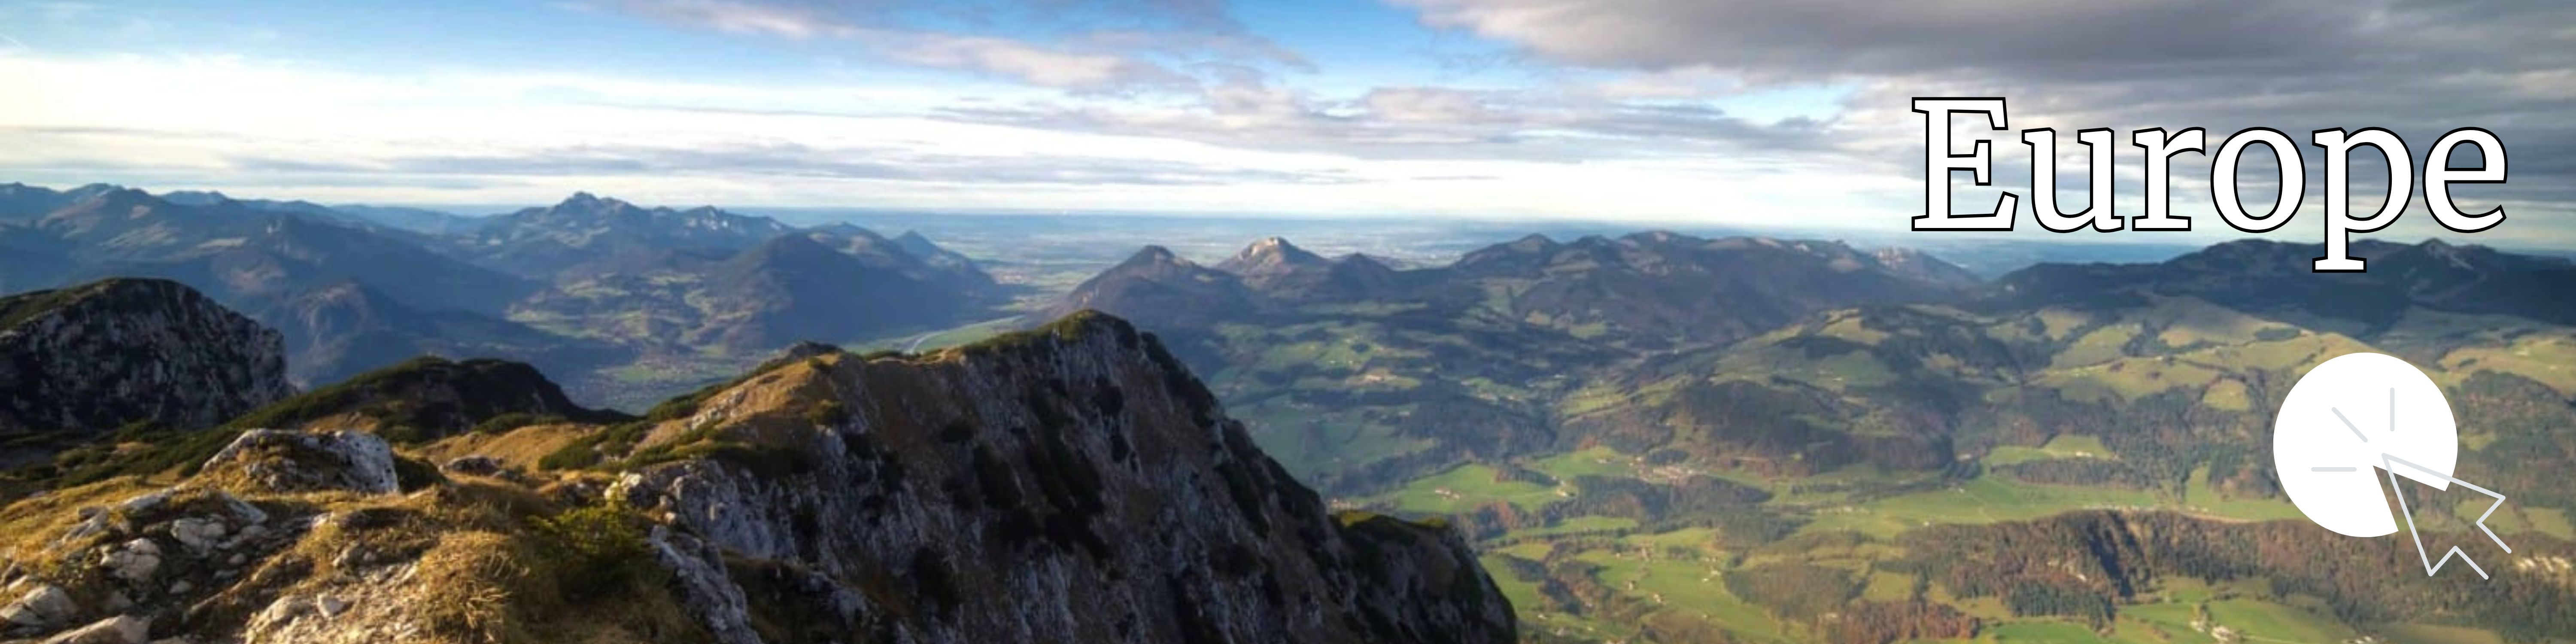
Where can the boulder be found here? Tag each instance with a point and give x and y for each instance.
(121, 629)
(475, 465)
(47, 605)
(145, 502)
(135, 561)
(199, 534)
(292, 461)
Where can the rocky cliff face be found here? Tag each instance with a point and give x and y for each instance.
(95, 357)
(1126, 505)
(1071, 484)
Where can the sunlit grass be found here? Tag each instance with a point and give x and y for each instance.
(1464, 488)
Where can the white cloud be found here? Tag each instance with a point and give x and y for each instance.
(1121, 59)
(1036, 65)
(1752, 113)
(740, 17)
(2419, 68)
(289, 130)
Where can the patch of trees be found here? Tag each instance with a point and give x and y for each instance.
(1646, 502)
(1494, 519)
(1582, 592)
(2050, 566)
(1914, 335)
(1754, 526)
(1509, 472)
(1455, 425)
(2062, 599)
(2161, 438)
(2530, 447)
(1888, 622)
(2100, 553)
(1779, 427)
(1795, 590)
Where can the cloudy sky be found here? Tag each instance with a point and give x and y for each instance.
(1709, 111)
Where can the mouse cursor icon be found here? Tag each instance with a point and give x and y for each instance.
(2391, 463)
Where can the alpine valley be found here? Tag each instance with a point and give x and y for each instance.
(598, 421)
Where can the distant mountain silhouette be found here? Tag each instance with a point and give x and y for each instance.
(341, 329)
(1280, 270)
(583, 229)
(584, 283)
(918, 260)
(21, 203)
(244, 255)
(921, 247)
(1160, 290)
(418, 220)
(2265, 276)
(1270, 256)
(1652, 288)
(793, 288)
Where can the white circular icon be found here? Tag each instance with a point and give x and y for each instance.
(2337, 424)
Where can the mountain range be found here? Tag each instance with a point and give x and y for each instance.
(1362, 372)
(1652, 437)
(1664, 438)
(585, 229)
(588, 286)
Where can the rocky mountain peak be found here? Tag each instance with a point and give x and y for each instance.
(626, 218)
(1270, 255)
(1656, 237)
(1152, 255)
(1083, 453)
(1158, 288)
(195, 197)
(915, 244)
(587, 229)
(88, 191)
(1516, 252)
(91, 358)
(2471, 257)
(118, 199)
(588, 209)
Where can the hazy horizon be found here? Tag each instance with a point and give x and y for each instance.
(1637, 111)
